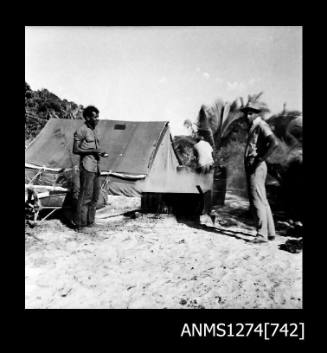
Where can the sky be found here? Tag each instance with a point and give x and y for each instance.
(165, 73)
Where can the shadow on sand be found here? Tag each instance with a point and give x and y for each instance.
(217, 229)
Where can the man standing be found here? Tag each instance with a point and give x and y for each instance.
(86, 144)
(204, 152)
(260, 145)
(205, 162)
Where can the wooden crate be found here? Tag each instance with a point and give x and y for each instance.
(189, 206)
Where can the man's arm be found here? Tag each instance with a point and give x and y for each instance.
(78, 150)
(272, 145)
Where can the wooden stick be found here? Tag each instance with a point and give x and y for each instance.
(50, 213)
(33, 166)
(125, 176)
(45, 187)
(34, 236)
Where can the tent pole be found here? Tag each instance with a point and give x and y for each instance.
(49, 214)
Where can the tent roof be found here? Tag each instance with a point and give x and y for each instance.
(131, 145)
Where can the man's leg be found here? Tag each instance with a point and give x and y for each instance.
(271, 224)
(207, 209)
(75, 193)
(269, 217)
(207, 202)
(248, 185)
(259, 199)
(84, 197)
(94, 201)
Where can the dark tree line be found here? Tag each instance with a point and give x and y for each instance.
(41, 105)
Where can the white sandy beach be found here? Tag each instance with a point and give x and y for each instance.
(153, 261)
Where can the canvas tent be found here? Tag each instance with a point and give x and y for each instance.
(141, 158)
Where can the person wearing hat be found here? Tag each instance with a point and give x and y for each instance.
(260, 144)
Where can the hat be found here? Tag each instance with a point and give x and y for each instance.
(255, 106)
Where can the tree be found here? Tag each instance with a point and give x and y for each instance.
(41, 105)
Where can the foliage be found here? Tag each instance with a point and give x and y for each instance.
(225, 123)
(281, 122)
(256, 98)
(42, 105)
(183, 146)
(231, 152)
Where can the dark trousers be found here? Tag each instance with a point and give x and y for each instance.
(207, 196)
(207, 202)
(87, 198)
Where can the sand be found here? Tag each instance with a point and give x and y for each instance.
(154, 261)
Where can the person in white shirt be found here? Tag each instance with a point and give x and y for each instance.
(205, 162)
(204, 155)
